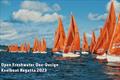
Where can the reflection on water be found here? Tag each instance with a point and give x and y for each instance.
(113, 70)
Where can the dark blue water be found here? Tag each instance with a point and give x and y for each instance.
(83, 68)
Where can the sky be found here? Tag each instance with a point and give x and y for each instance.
(23, 20)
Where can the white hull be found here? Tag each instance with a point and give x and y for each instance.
(44, 52)
(13, 51)
(56, 52)
(113, 58)
(84, 52)
(101, 57)
(36, 52)
(2, 50)
(22, 52)
(72, 55)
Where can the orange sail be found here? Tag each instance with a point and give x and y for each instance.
(73, 30)
(13, 48)
(28, 47)
(104, 39)
(98, 49)
(114, 48)
(111, 26)
(85, 46)
(36, 45)
(75, 46)
(43, 45)
(39, 46)
(93, 42)
(24, 48)
(59, 37)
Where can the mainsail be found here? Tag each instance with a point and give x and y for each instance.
(43, 45)
(93, 41)
(114, 48)
(36, 45)
(105, 37)
(59, 37)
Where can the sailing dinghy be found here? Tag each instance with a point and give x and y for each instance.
(93, 41)
(59, 38)
(72, 43)
(36, 46)
(43, 46)
(114, 48)
(13, 48)
(24, 48)
(105, 37)
(85, 47)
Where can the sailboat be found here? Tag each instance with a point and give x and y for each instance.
(43, 46)
(105, 37)
(59, 38)
(85, 47)
(93, 41)
(28, 47)
(13, 48)
(114, 48)
(36, 46)
(24, 48)
(72, 42)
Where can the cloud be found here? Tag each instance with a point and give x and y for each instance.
(35, 11)
(39, 6)
(35, 5)
(7, 32)
(97, 17)
(34, 16)
(56, 7)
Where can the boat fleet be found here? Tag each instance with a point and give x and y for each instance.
(106, 46)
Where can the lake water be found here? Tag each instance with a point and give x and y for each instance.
(83, 68)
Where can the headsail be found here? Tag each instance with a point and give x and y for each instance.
(85, 46)
(93, 41)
